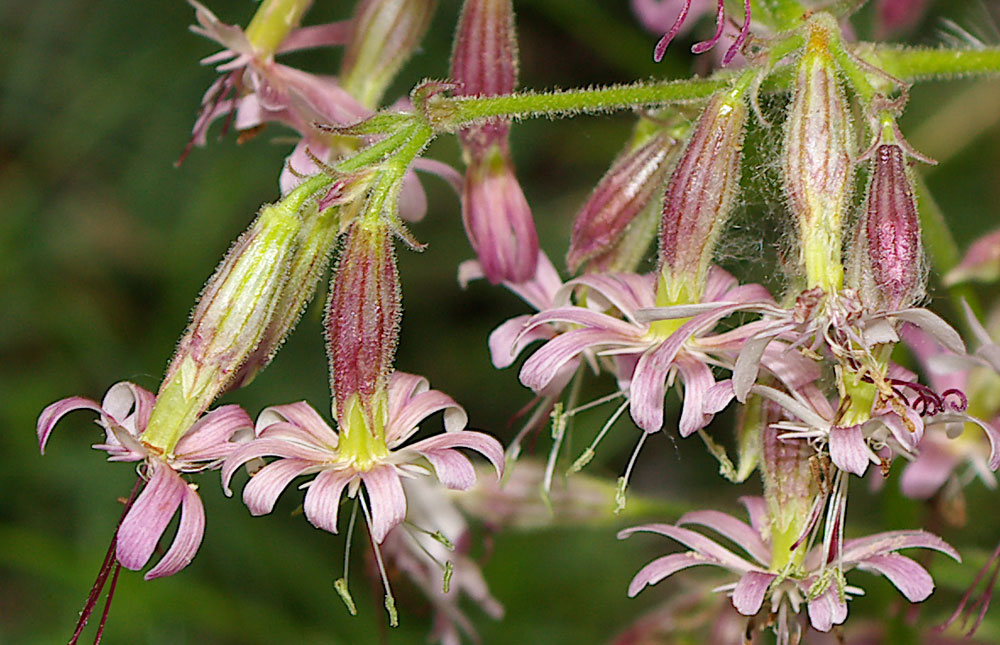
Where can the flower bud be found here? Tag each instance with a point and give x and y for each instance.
(362, 319)
(230, 320)
(888, 257)
(309, 261)
(484, 62)
(817, 163)
(700, 196)
(498, 219)
(496, 215)
(385, 35)
(624, 191)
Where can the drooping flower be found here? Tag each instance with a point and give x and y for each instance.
(356, 455)
(659, 353)
(818, 583)
(123, 415)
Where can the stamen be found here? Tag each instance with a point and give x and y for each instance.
(744, 30)
(982, 603)
(340, 585)
(623, 480)
(589, 453)
(720, 21)
(661, 46)
(559, 419)
(102, 576)
(390, 601)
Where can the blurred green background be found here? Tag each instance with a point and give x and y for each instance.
(105, 246)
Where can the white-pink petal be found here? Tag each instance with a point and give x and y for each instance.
(910, 578)
(388, 501)
(664, 566)
(263, 489)
(209, 437)
(748, 595)
(190, 531)
(148, 518)
(744, 535)
(848, 449)
(323, 498)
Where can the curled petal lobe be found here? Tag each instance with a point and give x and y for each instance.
(301, 415)
(861, 549)
(697, 378)
(323, 498)
(388, 502)
(910, 578)
(661, 568)
(452, 467)
(507, 342)
(266, 447)
(478, 441)
(129, 405)
(188, 538)
(706, 548)
(148, 518)
(263, 489)
(51, 415)
(748, 596)
(405, 422)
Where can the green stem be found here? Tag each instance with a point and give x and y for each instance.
(781, 15)
(272, 23)
(916, 64)
(450, 114)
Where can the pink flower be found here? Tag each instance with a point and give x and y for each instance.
(306, 445)
(818, 582)
(681, 350)
(124, 414)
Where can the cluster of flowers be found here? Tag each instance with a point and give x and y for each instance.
(812, 366)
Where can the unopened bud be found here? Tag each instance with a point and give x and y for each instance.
(496, 215)
(817, 163)
(362, 317)
(888, 257)
(230, 320)
(498, 220)
(315, 241)
(635, 177)
(484, 62)
(385, 35)
(700, 196)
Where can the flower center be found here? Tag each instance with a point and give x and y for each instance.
(362, 434)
